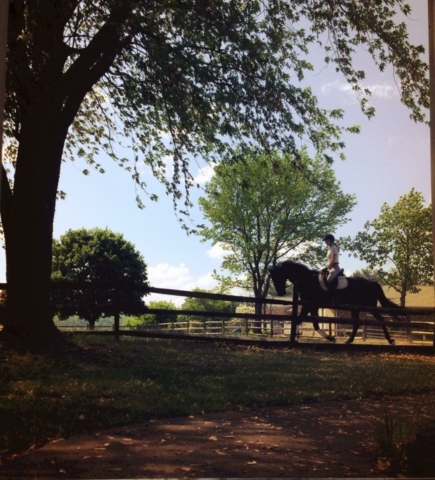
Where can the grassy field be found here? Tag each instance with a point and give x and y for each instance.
(424, 298)
(102, 383)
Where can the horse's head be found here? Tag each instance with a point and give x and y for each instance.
(278, 277)
(288, 270)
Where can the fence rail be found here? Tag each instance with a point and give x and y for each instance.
(407, 320)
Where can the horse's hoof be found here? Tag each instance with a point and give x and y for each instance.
(392, 342)
(348, 342)
(331, 338)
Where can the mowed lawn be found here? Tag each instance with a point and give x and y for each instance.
(101, 383)
(424, 298)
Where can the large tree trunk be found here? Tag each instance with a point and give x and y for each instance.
(403, 296)
(29, 231)
(257, 327)
(49, 97)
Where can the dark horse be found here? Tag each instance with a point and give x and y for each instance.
(359, 291)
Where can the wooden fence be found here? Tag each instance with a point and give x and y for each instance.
(413, 321)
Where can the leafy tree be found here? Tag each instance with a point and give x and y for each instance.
(83, 75)
(154, 317)
(398, 244)
(97, 256)
(245, 308)
(369, 274)
(204, 305)
(132, 321)
(239, 323)
(263, 210)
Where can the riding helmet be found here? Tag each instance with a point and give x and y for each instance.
(329, 237)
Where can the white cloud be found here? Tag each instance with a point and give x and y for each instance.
(385, 91)
(204, 174)
(166, 276)
(172, 277)
(207, 282)
(217, 251)
(336, 86)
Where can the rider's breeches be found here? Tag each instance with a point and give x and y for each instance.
(333, 272)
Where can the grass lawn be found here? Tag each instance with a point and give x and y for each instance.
(104, 384)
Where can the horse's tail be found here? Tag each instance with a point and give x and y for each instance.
(383, 300)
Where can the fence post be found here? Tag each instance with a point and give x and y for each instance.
(116, 304)
(271, 327)
(294, 317)
(223, 326)
(246, 326)
(408, 330)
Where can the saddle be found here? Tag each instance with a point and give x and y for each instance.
(338, 283)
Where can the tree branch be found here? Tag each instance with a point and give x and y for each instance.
(95, 60)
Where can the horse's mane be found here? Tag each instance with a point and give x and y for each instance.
(302, 269)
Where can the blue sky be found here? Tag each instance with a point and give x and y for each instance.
(389, 157)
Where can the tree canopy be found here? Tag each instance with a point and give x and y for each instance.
(369, 274)
(263, 210)
(196, 73)
(148, 318)
(97, 256)
(398, 244)
(204, 305)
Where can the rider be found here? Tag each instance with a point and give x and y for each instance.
(332, 258)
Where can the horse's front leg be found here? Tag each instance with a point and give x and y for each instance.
(296, 333)
(321, 332)
(379, 317)
(355, 326)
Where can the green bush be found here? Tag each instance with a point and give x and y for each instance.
(150, 318)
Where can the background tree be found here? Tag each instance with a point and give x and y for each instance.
(398, 244)
(97, 256)
(263, 210)
(238, 325)
(205, 305)
(149, 318)
(369, 274)
(82, 73)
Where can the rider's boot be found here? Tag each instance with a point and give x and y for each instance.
(332, 294)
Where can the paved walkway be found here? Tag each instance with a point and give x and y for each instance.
(330, 439)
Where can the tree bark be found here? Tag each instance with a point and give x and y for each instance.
(403, 297)
(28, 236)
(49, 105)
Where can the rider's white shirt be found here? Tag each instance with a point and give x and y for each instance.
(332, 250)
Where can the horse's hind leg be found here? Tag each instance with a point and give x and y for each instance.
(379, 317)
(355, 326)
